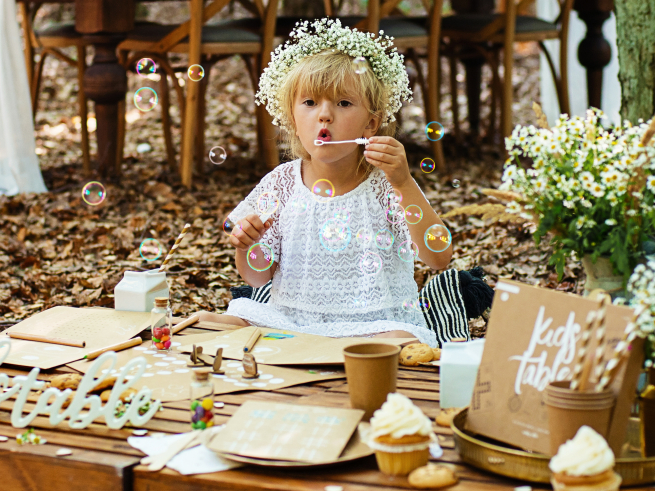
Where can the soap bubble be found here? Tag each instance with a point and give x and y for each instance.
(260, 257)
(408, 251)
(384, 240)
(359, 302)
(409, 304)
(93, 193)
(364, 236)
(145, 67)
(217, 155)
(370, 263)
(422, 305)
(323, 190)
(360, 65)
(427, 165)
(455, 183)
(438, 238)
(145, 99)
(342, 214)
(229, 226)
(267, 203)
(298, 206)
(150, 249)
(335, 235)
(434, 131)
(395, 213)
(196, 73)
(413, 214)
(394, 197)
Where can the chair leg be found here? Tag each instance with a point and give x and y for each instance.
(35, 83)
(166, 121)
(507, 94)
(81, 99)
(199, 151)
(453, 96)
(495, 95)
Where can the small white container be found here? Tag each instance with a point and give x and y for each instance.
(458, 371)
(137, 290)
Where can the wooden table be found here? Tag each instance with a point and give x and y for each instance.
(102, 459)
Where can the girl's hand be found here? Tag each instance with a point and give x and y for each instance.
(248, 231)
(388, 154)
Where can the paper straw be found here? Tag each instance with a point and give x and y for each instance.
(585, 338)
(601, 335)
(175, 246)
(588, 369)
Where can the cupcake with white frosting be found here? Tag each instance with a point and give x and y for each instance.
(584, 463)
(400, 435)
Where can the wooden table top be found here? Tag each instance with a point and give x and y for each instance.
(103, 460)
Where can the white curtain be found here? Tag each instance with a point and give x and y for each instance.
(611, 95)
(19, 165)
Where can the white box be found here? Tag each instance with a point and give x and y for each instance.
(137, 290)
(458, 372)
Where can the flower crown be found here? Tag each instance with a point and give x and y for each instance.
(383, 58)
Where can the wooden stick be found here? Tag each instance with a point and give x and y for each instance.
(191, 320)
(585, 338)
(114, 347)
(175, 246)
(253, 339)
(46, 339)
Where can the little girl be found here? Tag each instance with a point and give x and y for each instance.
(338, 229)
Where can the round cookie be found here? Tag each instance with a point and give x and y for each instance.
(413, 354)
(105, 384)
(446, 416)
(125, 396)
(66, 381)
(432, 476)
(436, 354)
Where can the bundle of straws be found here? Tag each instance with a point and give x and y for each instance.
(593, 371)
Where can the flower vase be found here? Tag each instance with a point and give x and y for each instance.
(601, 275)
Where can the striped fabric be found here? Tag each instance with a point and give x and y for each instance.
(446, 315)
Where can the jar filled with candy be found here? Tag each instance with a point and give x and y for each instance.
(161, 323)
(202, 400)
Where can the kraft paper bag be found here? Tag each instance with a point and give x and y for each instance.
(531, 340)
(458, 372)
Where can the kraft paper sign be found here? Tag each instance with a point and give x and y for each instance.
(531, 340)
(169, 378)
(287, 432)
(277, 347)
(97, 327)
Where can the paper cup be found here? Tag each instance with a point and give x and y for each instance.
(568, 410)
(371, 371)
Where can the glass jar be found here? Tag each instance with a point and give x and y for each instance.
(161, 325)
(202, 399)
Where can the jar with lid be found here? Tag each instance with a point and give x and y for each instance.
(202, 399)
(161, 324)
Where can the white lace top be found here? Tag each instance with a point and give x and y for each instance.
(339, 269)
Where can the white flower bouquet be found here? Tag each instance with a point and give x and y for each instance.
(593, 188)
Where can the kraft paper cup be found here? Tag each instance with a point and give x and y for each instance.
(568, 410)
(371, 371)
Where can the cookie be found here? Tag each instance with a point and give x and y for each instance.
(432, 476)
(413, 354)
(126, 396)
(436, 354)
(446, 416)
(107, 383)
(66, 381)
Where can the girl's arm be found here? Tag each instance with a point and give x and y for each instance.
(248, 232)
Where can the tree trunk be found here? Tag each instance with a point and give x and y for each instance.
(635, 30)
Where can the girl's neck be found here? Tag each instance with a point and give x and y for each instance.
(345, 175)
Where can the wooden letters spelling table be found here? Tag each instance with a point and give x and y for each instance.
(103, 460)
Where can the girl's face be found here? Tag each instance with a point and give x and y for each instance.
(325, 119)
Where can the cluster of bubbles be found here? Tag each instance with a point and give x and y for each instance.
(145, 98)
(93, 193)
(420, 304)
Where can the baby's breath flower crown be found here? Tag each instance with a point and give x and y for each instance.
(386, 63)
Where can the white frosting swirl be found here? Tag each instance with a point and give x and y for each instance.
(399, 417)
(586, 454)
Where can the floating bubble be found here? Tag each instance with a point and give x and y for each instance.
(364, 236)
(145, 67)
(455, 183)
(438, 238)
(260, 257)
(413, 214)
(267, 203)
(217, 155)
(409, 304)
(229, 226)
(150, 249)
(394, 197)
(298, 206)
(434, 131)
(370, 263)
(323, 190)
(360, 65)
(145, 99)
(342, 214)
(93, 193)
(422, 305)
(196, 73)
(384, 240)
(427, 165)
(335, 235)
(360, 302)
(394, 213)
(408, 251)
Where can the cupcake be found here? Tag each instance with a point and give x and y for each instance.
(584, 463)
(400, 435)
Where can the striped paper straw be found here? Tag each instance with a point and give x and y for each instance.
(175, 246)
(585, 338)
(601, 336)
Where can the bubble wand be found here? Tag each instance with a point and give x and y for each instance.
(359, 141)
(175, 246)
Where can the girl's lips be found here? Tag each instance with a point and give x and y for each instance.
(324, 135)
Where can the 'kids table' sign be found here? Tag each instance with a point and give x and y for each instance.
(52, 399)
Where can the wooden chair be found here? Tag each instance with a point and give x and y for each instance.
(205, 45)
(50, 41)
(491, 33)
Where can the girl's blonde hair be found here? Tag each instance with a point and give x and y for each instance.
(331, 74)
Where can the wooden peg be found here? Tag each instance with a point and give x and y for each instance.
(218, 360)
(249, 366)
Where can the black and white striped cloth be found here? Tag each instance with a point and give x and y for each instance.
(449, 294)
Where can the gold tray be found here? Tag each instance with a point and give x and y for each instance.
(533, 467)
